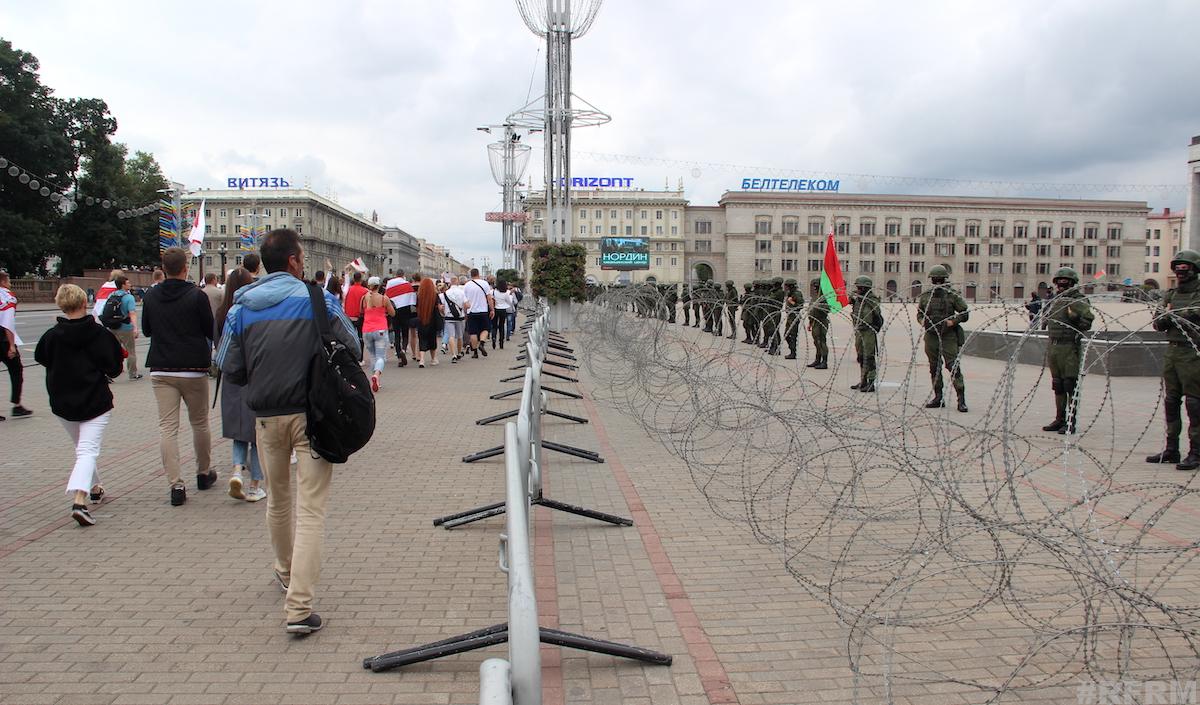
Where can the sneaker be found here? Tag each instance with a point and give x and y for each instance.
(454, 360)
(97, 494)
(81, 514)
(475, 355)
(434, 363)
(374, 384)
(135, 377)
(421, 365)
(255, 494)
(178, 495)
(235, 484)
(308, 625)
(283, 584)
(207, 480)
(20, 412)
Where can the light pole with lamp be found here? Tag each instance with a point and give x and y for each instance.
(222, 249)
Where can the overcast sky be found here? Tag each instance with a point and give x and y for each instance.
(376, 102)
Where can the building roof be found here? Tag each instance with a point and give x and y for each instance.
(274, 195)
(1168, 214)
(874, 199)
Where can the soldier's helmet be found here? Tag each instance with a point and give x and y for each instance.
(789, 283)
(864, 281)
(777, 281)
(746, 287)
(729, 283)
(939, 271)
(1067, 273)
(1191, 257)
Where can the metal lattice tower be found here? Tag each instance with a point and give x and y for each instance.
(508, 159)
(558, 21)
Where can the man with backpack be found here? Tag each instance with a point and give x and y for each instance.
(119, 315)
(270, 334)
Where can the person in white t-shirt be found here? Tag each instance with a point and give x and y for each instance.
(504, 303)
(10, 350)
(480, 310)
(454, 301)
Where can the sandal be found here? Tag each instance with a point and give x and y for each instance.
(97, 494)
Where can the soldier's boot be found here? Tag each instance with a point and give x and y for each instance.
(1060, 408)
(937, 401)
(1170, 454)
(791, 351)
(815, 362)
(821, 364)
(962, 401)
(1192, 461)
(1171, 412)
(868, 384)
(868, 387)
(1072, 407)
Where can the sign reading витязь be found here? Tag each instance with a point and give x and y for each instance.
(257, 182)
(791, 184)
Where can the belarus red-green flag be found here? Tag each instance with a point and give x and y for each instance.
(833, 284)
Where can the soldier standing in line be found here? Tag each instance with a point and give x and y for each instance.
(818, 324)
(1178, 315)
(671, 297)
(731, 305)
(706, 305)
(867, 317)
(774, 311)
(942, 311)
(793, 304)
(747, 318)
(1068, 316)
(718, 303)
(686, 298)
(697, 301)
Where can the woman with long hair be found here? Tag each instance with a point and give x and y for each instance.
(376, 308)
(237, 420)
(430, 314)
(504, 303)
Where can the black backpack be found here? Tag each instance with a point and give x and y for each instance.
(111, 315)
(340, 413)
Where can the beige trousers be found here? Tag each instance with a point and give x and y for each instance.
(129, 342)
(192, 391)
(296, 524)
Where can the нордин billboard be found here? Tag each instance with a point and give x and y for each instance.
(624, 253)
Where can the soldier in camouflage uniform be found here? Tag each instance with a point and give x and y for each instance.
(942, 311)
(818, 325)
(731, 307)
(1178, 316)
(697, 302)
(686, 299)
(867, 319)
(757, 296)
(747, 318)
(1068, 316)
(670, 298)
(772, 309)
(793, 304)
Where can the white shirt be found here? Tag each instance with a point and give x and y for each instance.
(477, 291)
(456, 294)
(503, 299)
(401, 292)
(8, 317)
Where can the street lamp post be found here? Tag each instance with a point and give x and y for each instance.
(222, 250)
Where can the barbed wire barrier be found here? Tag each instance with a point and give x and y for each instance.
(970, 549)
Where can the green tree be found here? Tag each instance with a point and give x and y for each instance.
(33, 135)
(510, 276)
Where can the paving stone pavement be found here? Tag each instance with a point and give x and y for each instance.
(158, 604)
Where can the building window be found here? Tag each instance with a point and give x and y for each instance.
(996, 229)
(597, 261)
(658, 215)
(658, 246)
(816, 226)
(996, 249)
(814, 265)
(1089, 250)
(973, 228)
(1018, 267)
(704, 246)
(299, 212)
(1114, 250)
(866, 265)
(916, 248)
(283, 212)
(674, 245)
(643, 215)
(1114, 232)
(762, 265)
(598, 229)
(943, 249)
(843, 248)
(891, 266)
(916, 266)
(628, 229)
(943, 230)
(537, 229)
(995, 268)
(1043, 267)
(674, 215)
(916, 228)
(207, 229)
(223, 213)
(1114, 269)
(866, 248)
(842, 228)
(816, 247)
(583, 214)
(1091, 231)
(629, 214)
(612, 214)
(612, 230)
(1089, 268)
(891, 248)
(266, 211)
(674, 261)
(1020, 250)
(599, 214)
(789, 265)
(644, 229)
(971, 249)
(537, 213)
(237, 212)
(674, 229)
(1068, 265)
(866, 228)
(790, 247)
(221, 229)
(972, 268)
(583, 230)
(208, 261)
(1043, 251)
(762, 227)
(703, 227)
(762, 245)
(791, 226)
(1066, 251)
(891, 228)
(1157, 250)
(658, 261)
(1044, 231)
(1021, 231)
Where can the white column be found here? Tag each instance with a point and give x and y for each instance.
(1191, 240)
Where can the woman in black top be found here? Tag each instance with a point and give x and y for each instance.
(80, 357)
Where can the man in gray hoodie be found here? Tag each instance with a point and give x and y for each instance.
(268, 341)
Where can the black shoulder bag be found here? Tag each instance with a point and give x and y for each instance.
(340, 412)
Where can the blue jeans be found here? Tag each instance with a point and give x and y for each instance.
(376, 342)
(243, 452)
(512, 321)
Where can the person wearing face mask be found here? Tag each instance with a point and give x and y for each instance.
(867, 317)
(941, 311)
(1068, 316)
(1178, 316)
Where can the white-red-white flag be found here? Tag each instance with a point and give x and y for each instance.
(358, 265)
(196, 237)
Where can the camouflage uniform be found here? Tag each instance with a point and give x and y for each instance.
(793, 304)
(686, 299)
(867, 318)
(1068, 316)
(818, 324)
(1178, 316)
(942, 311)
(747, 317)
(731, 307)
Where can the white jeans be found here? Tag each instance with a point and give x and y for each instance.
(86, 435)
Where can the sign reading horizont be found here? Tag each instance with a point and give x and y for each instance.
(600, 181)
(257, 182)
(790, 184)
(624, 253)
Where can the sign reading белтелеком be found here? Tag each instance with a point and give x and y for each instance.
(829, 185)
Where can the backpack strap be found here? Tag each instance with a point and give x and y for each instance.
(320, 314)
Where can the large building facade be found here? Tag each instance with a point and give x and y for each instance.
(1164, 239)
(996, 248)
(332, 236)
(401, 251)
